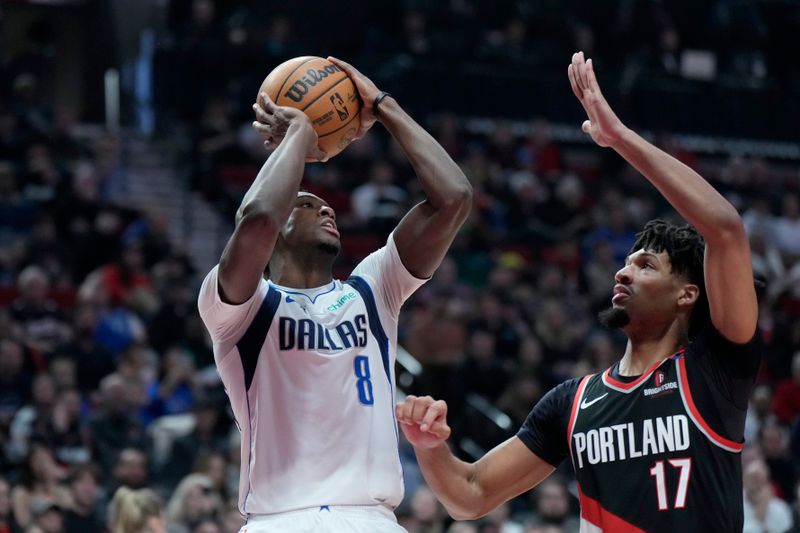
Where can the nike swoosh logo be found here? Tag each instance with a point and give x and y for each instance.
(289, 299)
(585, 404)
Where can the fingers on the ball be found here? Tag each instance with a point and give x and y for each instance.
(266, 102)
(262, 115)
(344, 65)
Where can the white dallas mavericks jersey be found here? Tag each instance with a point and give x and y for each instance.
(310, 377)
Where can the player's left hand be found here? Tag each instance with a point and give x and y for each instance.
(603, 125)
(423, 421)
(367, 90)
(273, 121)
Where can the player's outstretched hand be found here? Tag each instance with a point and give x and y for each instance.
(603, 125)
(366, 90)
(423, 421)
(273, 121)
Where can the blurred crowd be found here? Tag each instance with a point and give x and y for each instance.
(106, 374)
(667, 62)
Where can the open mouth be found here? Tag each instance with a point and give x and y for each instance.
(621, 292)
(330, 227)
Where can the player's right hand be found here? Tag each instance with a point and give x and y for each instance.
(273, 121)
(603, 125)
(423, 421)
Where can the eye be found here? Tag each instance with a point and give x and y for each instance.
(649, 265)
(306, 204)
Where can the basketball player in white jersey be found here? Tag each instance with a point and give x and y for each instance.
(307, 360)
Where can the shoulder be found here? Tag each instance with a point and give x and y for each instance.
(558, 400)
(711, 348)
(569, 387)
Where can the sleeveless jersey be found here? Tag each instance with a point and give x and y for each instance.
(646, 460)
(310, 377)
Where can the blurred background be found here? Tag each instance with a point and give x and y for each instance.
(125, 148)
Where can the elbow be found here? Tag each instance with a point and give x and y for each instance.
(463, 514)
(467, 513)
(459, 201)
(728, 228)
(257, 219)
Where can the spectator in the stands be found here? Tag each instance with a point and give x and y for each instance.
(82, 515)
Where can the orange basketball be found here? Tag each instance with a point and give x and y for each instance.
(324, 92)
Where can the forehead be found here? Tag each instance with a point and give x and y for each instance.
(662, 256)
(309, 196)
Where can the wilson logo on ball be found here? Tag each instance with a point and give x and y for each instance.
(300, 88)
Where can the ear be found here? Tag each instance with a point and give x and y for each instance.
(688, 295)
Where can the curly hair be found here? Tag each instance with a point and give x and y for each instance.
(686, 249)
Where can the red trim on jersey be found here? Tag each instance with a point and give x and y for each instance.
(627, 387)
(574, 413)
(595, 514)
(609, 379)
(694, 412)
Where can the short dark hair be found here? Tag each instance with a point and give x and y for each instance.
(686, 250)
(79, 470)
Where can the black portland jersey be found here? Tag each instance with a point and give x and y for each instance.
(645, 458)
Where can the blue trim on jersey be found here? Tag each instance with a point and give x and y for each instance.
(363, 288)
(253, 339)
(313, 300)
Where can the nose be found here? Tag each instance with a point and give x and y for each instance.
(623, 276)
(327, 211)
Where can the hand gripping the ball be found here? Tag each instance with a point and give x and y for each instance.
(423, 421)
(367, 90)
(273, 121)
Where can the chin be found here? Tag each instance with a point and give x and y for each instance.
(614, 317)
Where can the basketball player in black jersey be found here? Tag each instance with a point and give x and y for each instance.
(655, 439)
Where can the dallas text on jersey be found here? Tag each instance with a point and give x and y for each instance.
(305, 334)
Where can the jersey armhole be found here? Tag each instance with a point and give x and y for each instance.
(573, 415)
(694, 412)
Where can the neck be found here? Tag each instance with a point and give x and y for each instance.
(313, 270)
(647, 346)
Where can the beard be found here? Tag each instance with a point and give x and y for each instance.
(329, 248)
(614, 317)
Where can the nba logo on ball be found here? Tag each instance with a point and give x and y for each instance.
(323, 92)
(338, 105)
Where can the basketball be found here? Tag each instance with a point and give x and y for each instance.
(322, 91)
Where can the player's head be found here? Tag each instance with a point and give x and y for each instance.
(662, 278)
(310, 228)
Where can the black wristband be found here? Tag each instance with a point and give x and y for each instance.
(378, 100)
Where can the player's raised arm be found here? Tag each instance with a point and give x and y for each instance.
(728, 270)
(270, 199)
(467, 490)
(426, 232)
